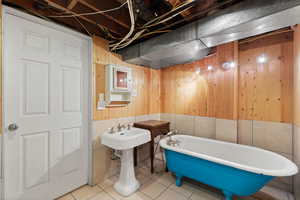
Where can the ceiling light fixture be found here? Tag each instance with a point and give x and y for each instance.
(262, 59)
(198, 71)
(228, 65)
(210, 67)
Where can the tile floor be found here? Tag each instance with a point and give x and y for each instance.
(157, 186)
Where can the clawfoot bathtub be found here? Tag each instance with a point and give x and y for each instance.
(233, 168)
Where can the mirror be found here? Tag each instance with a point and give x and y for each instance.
(120, 79)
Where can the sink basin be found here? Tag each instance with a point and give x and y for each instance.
(125, 141)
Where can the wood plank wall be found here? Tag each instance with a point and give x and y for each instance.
(251, 91)
(1, 67)
(266, 90)
(146, 80)
(210, 93)
(297, 75)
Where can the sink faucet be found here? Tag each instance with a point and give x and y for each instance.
(128, 126)
(111, 130)
(170, 141)
(119, 127)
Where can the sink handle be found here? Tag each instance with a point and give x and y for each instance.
(123, 126)
(119, 127)
(111, 130)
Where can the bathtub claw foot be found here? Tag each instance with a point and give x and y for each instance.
(178, 180)
(228, 195)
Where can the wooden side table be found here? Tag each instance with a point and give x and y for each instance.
(156, 128)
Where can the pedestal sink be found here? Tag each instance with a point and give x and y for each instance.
(125, 141)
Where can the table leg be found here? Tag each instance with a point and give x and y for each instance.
(152, 154)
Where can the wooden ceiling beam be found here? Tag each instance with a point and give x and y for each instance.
(69, 22)
(120, 16)
(113, 27)
(119, 21)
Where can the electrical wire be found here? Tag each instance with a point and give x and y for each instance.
(196, 14)
(166, 14)
(155, 22)
(83, 26)
(131, 13)
(167, 19)
(154, 32)
(137, 35)
(91, 13)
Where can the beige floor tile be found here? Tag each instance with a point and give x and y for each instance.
(143, 170)
(186, 189)
(142, 178)
(108, 182)
(152, 188)
(201, 194)
(112, 192)
(86, 192)
(137, 196)
(66, 197)
(164, 178)
(171, 195)
(276, 193)
(102, 196)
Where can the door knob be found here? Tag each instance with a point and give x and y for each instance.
(13, 127)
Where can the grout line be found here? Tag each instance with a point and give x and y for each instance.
(71, 193)
(109, 195)
(99, 187)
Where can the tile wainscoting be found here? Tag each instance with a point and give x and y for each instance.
(208, 127)
(272, 136)
(103, 165)
(296, 146)
(277, 137)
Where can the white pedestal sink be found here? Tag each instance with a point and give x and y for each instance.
(125, 141)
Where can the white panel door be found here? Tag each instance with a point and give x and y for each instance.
(46, 96)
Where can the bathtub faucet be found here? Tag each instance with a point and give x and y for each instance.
(171, 141)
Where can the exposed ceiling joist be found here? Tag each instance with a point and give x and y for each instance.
(110, 25)
(120, 20)
(69, 22)
(153, 17)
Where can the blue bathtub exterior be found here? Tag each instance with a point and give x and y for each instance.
(230, 180)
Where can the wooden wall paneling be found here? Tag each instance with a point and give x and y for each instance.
(155, 91)
(200, 99)
(1, 67)
(226, 85)
(250, 91)
(1, 97)
(168, 89)
(185, 92)
(246, 84)
(236, 71)
(287, 86)
(210, 89)
(185, 82)
(297, 75)
(145, 80)
(266, 89)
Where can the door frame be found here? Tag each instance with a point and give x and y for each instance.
(6, 11)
